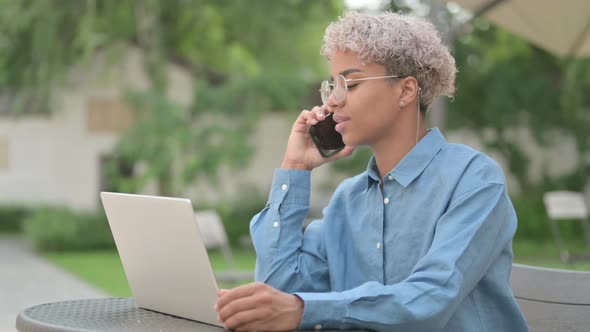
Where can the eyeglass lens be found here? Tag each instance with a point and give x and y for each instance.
(338, 88)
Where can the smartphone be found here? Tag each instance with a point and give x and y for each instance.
(326, 138)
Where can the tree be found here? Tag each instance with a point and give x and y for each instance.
(505, 84)
(247, 57)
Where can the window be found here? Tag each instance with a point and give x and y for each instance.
(4, 153)
(106, 116)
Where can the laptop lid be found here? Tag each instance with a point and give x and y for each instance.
(163, 255)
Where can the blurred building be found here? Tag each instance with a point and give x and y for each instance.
(59, 159)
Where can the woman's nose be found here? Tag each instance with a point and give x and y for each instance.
(332, 102)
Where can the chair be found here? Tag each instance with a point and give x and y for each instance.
(552, 299)
(562, 205)
(215, 237)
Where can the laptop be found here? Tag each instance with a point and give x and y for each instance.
(163, 255)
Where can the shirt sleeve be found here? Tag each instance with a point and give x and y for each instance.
(476, 227)
(286, 258)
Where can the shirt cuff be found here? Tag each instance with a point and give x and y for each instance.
(322, 311)
(290, 186)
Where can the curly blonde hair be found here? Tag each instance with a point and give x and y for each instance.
(405, 45)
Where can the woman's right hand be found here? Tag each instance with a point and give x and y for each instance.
(301, 151)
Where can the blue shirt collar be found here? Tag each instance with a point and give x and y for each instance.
(414, 163)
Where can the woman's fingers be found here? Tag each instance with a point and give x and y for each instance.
(318, 113)
(247, 320)
(311, 117)
(345, 152)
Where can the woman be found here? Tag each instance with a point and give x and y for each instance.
(420, 241)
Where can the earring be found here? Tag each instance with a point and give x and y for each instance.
(402, 104)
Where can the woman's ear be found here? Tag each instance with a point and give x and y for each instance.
(409, 91)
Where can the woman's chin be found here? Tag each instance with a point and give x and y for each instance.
(349, 140)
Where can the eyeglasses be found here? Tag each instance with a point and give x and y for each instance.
(340, 86)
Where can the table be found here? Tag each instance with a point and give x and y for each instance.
(107, 314)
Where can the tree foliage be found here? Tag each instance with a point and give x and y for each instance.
(504, 83)
(246, 57)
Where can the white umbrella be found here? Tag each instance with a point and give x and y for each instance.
(561, 27)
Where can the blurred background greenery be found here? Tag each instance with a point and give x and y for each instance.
(250, 59)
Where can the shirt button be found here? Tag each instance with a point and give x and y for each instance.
(275, 224)
(390, 177)
(386, 200)
(378, 245)
(317, 327)
(284, 187)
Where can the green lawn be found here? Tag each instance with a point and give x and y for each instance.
(546, 254)
(104, 270)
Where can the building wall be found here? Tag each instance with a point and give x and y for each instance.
(55, 159)
(52, 160)
(555, 159)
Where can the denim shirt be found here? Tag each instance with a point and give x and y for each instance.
(432, 252)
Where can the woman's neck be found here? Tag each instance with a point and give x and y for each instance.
(391, 150)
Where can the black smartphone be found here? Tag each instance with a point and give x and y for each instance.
(326, 138)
